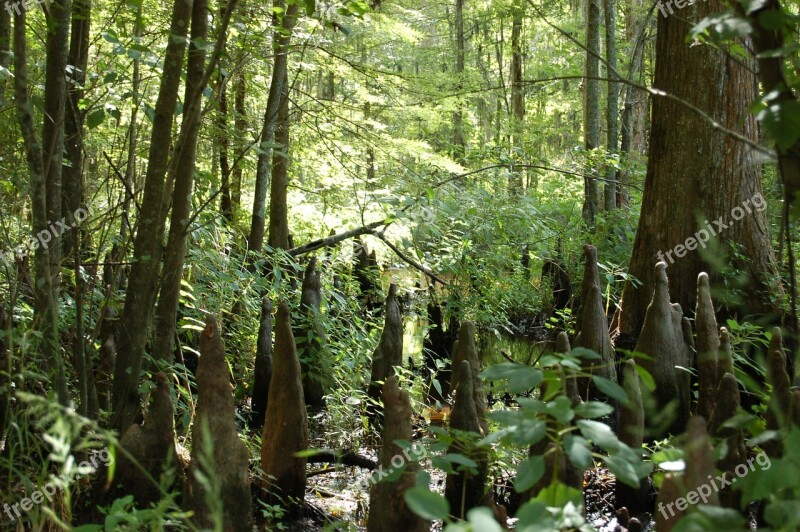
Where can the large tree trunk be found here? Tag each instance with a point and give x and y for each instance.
(714, 179)
(141, 292)
(281, 40)
(45, 303)
(591, 107)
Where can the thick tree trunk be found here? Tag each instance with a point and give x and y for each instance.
(147, 251)
(167, 311)
(591, 107)
(45, 303)
(711, 192)
(281, 40)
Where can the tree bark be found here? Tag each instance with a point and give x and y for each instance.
(591, 107)
(517, 97)
(147, 252)
(226, 203)
(278, 201)
(167, 311)
(612, 108)
(55, 98)
(458, 115)
(281, 41)
(240, 122)
(45, 303)
(715, 178)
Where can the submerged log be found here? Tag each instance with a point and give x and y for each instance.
(387, 355)
(593, 329)
(312, 335)
(464, 489)
(217, 452)
(286, 424)
(705, 323)
(263, 365)
(464, 349)
(388, 509)
(663, 339)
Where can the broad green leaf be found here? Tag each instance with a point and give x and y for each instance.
(529, 472)
(611, 389)
(592, 409)
(427, 504)
(578, 451)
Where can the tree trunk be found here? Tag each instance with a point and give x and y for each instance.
(55, 98)
(711, 192)
(458, 133)
(73, 134)
(226, 203)
(281, 40)
(591, 107)
(517, 98)
(45, 303)
(612, 109)
(278, 201)
(147, 251)
(240, 122)
(167, 311)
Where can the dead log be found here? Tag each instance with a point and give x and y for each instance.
(388, 509)
(217, 452)
(286, 424)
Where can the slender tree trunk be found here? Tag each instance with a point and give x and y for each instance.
(278, 201)
(147, 252)
(711, 192)
(240, 122)
(45, 302)
(5, 49)
(130, 167)
(55, 98)
(281, 41)
(635, 24)
(167, 311)
(517, 97)
(612, 109)
(458, 116)
(226, 203)
(591, 107)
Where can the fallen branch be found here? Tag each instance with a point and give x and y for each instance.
(347, 458)
(409, 260)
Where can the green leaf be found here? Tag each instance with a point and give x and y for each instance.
(460, 459)
(646, 377)
(95, 118)
(561, 409)
(578, 451)
(611, 389)
(427, 504)
(600, 433)
(529, 472)
(481, 518)
(623, 470)
(558, 495)
(593, 409)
